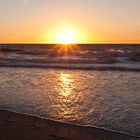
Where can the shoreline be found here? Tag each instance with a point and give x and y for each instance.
(19, 126)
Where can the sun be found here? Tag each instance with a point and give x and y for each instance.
(65, 35)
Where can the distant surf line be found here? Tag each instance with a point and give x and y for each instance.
(70, 67)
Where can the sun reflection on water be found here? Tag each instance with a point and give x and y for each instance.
(65, 84)
(66, 94)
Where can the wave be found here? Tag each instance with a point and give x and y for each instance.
(72, 66)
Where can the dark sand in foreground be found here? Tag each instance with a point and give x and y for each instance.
(15, 126)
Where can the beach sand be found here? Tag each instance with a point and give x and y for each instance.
(14, 126)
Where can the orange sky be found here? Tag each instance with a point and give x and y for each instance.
(94, 21)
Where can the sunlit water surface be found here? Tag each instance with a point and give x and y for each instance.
(105, 99)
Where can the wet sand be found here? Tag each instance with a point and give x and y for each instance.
(14, 126)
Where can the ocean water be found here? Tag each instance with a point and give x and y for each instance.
(108, 99)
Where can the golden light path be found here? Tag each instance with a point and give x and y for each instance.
(63, 93)
(66, 84)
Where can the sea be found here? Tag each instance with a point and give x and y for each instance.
(95, 85)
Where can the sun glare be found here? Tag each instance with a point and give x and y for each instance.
(66, 35)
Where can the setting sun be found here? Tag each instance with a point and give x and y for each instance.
(66, 35)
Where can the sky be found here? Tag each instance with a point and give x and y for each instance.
(96, 21)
